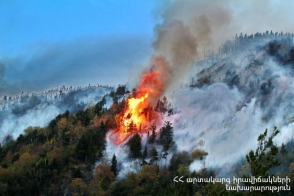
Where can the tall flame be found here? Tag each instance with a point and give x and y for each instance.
(138, 113)
(134, 112)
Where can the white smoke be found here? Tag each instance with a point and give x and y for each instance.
(19, 112)
(224, 118)
(230, 119)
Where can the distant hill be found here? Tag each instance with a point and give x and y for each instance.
(38, 109)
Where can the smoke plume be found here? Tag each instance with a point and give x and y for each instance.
(189, 28)
(227, 118)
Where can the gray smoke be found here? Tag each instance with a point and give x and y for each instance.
(80, 62)
(188, 28)
(224, 118)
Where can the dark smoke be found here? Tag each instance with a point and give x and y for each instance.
(187, 28)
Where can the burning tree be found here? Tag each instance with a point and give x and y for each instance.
(138, 113)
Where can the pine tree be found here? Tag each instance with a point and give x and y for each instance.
(152, 137)
(144, 155)
(164, 104)
(166, 138)
(263, 158)
(157, 107)
(153, 155)
(98, 109)
(135, 146)
(283, 150)
(114, 165)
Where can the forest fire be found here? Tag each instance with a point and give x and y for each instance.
(138, 113)
(133, 117)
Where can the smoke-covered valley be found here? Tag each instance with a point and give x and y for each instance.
(37, 109)
(235, 96)
(227, 100)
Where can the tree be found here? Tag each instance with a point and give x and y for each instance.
(90, 146)
(83, 116)
(8, 138)
(77, 185)
(152, 137)
(183, 170)
(154, 156)
(198, 154)
(102, 179)
(98, 109)
(180, 158)
(166, 137)
(147, 181)
(263, 158)
(113, 166)
(135, 146)
(161, 105)
(121, 90)
(144, 155)
(283, 150)
(125, 187)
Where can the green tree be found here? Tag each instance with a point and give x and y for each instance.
(283, 150)
(113, 166)
(154, 156)
(90, 146)
(98, 109)
(180, 158)
(121, 90)
(83, 117)
(152, 137)
(166, 138)
(144, 156)
(263, 158)
(135, 146)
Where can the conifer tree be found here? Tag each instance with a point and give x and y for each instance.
(113, 166)
(152, 137)
(144, 155)
(166, 138)
(263, 158)
(153, 155)
(135, 146)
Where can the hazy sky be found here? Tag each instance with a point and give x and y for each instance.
(45, 43)
(49, 43)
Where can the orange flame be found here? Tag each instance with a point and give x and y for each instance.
(138, 114)
(133, 113)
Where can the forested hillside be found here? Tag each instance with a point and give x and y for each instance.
(60, 158)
